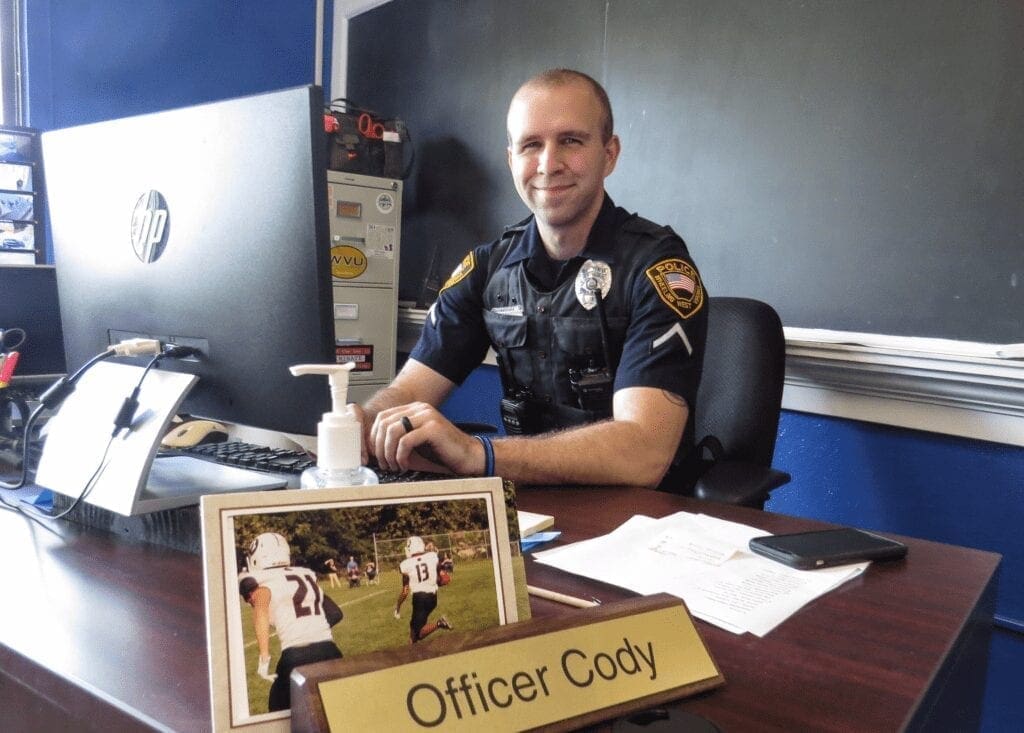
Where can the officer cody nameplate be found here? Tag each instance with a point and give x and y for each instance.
(558, 673)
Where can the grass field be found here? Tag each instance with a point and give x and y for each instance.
(468, 602)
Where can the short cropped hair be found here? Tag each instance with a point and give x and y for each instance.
(560, 77)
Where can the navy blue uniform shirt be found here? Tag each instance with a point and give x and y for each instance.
(661, 297)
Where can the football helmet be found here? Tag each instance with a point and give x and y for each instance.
(269, 550)
(413, 546)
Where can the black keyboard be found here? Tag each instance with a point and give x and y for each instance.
(285, 462)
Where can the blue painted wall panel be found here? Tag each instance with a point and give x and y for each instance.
(91, 61)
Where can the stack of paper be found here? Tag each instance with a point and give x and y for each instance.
(530, 522)
(706, 562)
(530, 534)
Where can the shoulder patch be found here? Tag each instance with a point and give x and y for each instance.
(678, 285)
(462, 269)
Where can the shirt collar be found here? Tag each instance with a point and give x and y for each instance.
(600, 242)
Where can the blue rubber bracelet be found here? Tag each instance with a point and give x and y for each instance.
(488, 454)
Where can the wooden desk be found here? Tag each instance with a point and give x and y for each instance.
(99, 633)
(904, 646)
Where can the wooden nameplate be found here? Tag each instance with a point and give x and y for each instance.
(558, 673)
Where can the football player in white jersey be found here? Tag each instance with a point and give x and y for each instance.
(421, 575)
(289, 599)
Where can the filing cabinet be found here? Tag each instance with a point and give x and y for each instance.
(365, 224)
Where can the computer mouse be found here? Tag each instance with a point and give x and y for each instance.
(195, 432)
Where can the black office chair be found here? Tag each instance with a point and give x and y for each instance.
(739, 401)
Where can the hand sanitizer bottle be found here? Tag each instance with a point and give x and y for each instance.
(339, 436)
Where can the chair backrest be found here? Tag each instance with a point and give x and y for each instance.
(740, 393)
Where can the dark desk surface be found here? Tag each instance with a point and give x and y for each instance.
(111, 633)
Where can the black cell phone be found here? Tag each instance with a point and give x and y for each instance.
(826, 548)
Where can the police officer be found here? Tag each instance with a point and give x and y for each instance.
(598, 317)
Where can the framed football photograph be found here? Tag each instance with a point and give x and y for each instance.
(301, 576)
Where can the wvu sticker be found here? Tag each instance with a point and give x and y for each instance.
(347, 262)
(464, 268)
(678, 285)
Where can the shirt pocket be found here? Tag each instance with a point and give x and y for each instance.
(581, 337)
(506, 331)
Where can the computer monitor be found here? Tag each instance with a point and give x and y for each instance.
(28, 301)
(205, 226)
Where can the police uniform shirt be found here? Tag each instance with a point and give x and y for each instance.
(656, 305)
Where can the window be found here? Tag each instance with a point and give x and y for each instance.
(10, 62)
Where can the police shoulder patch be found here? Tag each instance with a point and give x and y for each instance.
(678, 285)
(462, 269)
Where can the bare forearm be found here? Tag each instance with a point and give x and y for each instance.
(390, 396)
(414, 383)
(635, 448)
(609, 453)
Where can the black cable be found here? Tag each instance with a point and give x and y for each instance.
(86, 490)
(603, 321)
(25, 441)
(124, 417)
(49, 399)
(122, 421)
(88, 365)
(64, 386)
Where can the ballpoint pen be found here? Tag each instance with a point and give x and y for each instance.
(562, 598)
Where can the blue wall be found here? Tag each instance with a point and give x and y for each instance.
(952, 490)
(90, 61)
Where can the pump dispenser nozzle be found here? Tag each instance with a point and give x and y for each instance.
(339, 434)
(337, 374)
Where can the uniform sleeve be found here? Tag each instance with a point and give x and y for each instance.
(664, 345)
(454, 339)
(332, 611)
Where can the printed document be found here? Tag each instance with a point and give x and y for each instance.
(706, 562)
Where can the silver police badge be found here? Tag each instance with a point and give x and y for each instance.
(594, 275)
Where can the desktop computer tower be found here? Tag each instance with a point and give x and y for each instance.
(365, 224)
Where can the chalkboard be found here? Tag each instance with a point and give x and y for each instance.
(858, 164)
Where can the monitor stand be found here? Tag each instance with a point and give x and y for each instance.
(124, 475)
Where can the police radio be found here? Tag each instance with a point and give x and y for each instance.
(518, 414)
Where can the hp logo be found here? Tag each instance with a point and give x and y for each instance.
(149, 226)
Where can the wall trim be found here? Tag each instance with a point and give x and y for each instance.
(953, 388)
(343, 11)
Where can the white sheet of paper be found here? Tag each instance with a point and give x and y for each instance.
(706, 562)
(697, 546)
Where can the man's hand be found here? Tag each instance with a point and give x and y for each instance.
(263, 670)
(418, 437)
(397, 614)
(360, 414)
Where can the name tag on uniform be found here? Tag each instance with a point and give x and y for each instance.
(508, 310)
